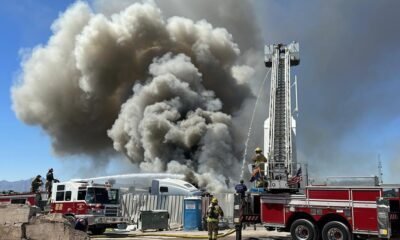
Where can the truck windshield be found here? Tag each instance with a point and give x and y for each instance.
(113, 196)
(101, 195)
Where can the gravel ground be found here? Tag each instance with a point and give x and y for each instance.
(259, 233)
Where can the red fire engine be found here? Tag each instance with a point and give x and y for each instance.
(98, 203)
(19, 198)
(330, 212)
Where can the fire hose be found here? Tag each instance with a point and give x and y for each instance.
(119, 235)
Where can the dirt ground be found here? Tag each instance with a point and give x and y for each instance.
(259, 233)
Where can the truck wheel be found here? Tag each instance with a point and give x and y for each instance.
(98, 230)
(303, 229)
(335, 231)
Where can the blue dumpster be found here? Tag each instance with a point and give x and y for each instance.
(192, 213)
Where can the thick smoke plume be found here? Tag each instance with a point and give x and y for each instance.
(162, 91)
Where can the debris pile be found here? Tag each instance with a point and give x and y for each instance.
(19, 221)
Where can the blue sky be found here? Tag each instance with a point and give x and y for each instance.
(26, 150)
(349, 84)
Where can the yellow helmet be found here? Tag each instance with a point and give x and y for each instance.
(258, 149)
(214, 200)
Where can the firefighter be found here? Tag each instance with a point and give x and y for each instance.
(49, 182)
(241, 189)
(214, 212)
(258, 168)
(259, 158)
(36, 184)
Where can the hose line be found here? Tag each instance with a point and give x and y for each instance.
(251, 124)
(121, 235)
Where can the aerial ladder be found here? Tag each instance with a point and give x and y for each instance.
(280, 126)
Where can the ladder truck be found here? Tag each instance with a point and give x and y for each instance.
(316, 212)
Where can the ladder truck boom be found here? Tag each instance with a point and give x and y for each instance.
(280, 126)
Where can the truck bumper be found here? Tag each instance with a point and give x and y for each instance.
(102, 220)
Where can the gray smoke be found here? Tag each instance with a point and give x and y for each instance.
(239, 19)
(173, 117)
(162, 91)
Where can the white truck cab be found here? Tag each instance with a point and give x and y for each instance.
(169, 186)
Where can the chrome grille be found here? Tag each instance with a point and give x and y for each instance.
(111, 211)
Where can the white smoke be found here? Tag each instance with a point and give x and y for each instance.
(161, 91)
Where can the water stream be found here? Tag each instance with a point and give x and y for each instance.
(251, 124)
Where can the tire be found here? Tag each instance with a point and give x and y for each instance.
(98, 230)
(303, 229)
(336, 231)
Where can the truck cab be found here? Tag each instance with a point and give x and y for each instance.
(99, 204)
(169, 186)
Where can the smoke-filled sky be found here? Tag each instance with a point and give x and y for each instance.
(132, 87)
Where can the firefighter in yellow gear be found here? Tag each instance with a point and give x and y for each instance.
(214, 212)
(259, 159)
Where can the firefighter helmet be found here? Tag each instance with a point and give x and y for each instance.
(214, 200)
(258, 150)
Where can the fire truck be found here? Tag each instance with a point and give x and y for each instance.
(318, 212)
(20, 198)
(327, 212)
(99, 204)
